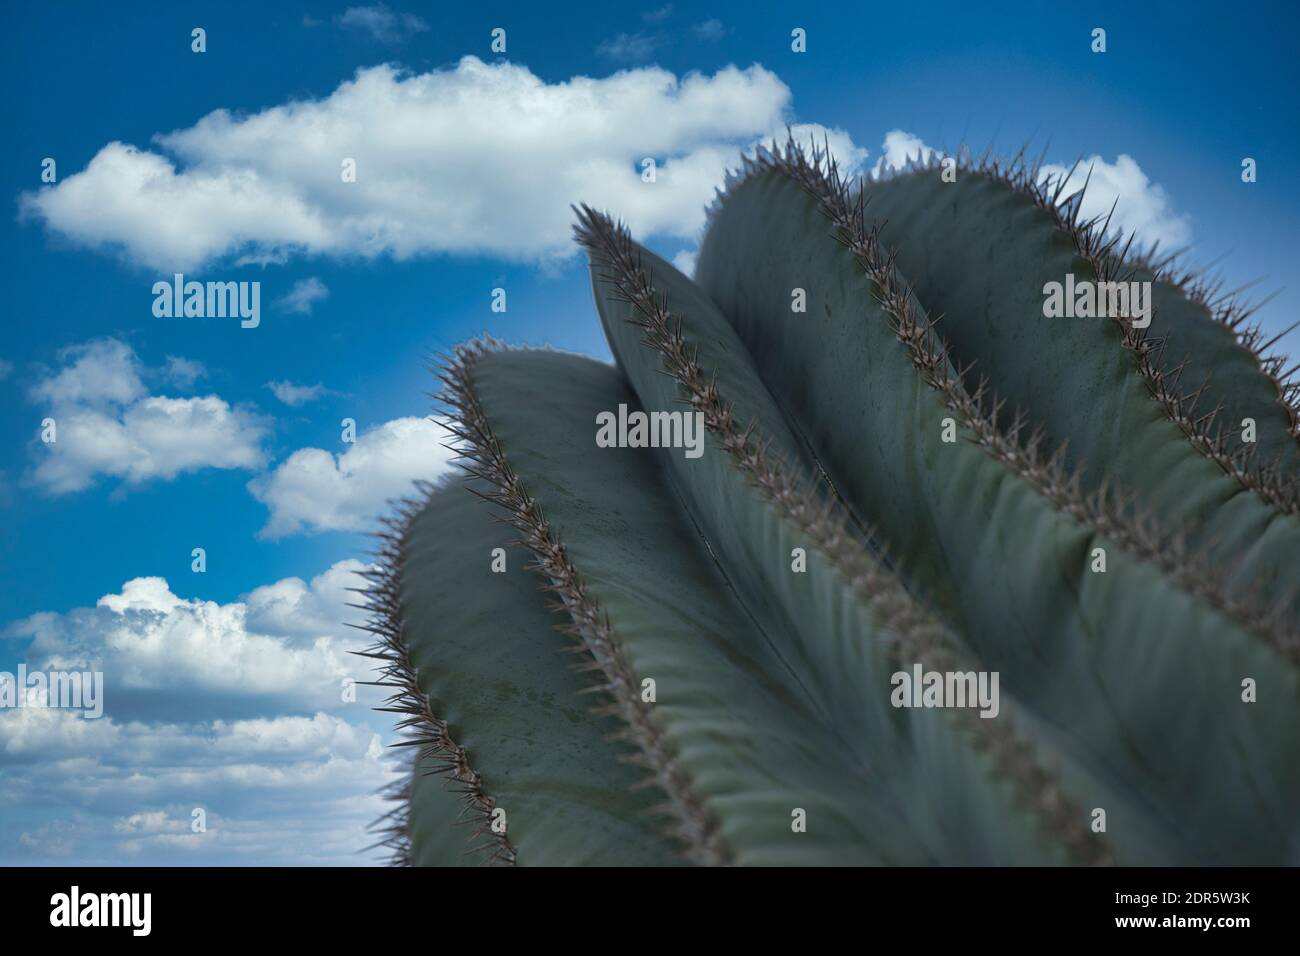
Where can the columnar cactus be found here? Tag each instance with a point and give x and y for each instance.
(1048, 505)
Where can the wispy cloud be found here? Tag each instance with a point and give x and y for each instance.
(182, 372)
(295, 395)
(628, 47)
(304, 295)
(383, 23)
(709, 30)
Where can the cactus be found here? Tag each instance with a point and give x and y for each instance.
(880, 494)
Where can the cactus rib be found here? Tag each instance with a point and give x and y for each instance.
(1230, 310)
(825, 522)
(695, 826)
(424, 730)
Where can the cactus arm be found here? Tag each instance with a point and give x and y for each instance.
(733, 741)
(1002, 539)
(848, 623)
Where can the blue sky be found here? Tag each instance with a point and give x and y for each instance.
(223, 685)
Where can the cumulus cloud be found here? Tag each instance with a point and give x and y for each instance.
(316, 490)
(382, 23)
(297, 608)
(105, 371)
(304, 295)
(137, 201)
(106, 423)
(1140, 205)
(476, 158)
(159, 649)
(899, 148)
(295, 395)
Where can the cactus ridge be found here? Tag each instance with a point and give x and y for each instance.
(484, 458)
(1230, 309)
(826, 523)
(435, 750)
(1109, 511)
(1113, 262)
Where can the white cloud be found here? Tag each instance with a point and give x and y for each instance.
(685, 261)
(5, 369)
(900, 147)
(148, 639)
(53, 733)
(37, 732)
(101, 372)
(107, 424)
(316, 490)
(472, 159)
(849, 156)
(304, 295)
(1140, 205)
(294, 607)
(382, 23)
(295, 395)
(135, 200)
